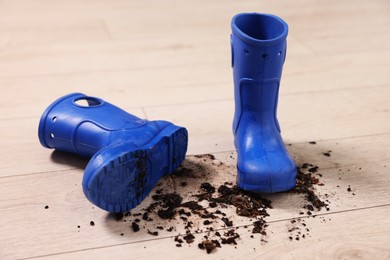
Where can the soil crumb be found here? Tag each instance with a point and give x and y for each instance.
(209, 245)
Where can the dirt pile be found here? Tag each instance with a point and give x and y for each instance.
(198, 206)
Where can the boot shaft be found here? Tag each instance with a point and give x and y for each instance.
(258, 52)
(258, 46)
(81, 124)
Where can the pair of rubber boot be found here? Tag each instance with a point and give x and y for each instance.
(129, 155)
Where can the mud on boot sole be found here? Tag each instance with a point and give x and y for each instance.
(117, 179)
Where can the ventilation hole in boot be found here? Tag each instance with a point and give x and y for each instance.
(88, 102)
(54, 119)
(265, 56)
(279, 53)
(246, 52)
(52, 136)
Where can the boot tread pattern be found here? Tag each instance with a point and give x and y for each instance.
(124, 182)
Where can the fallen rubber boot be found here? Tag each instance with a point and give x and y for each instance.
(129, 155)
(258, 44)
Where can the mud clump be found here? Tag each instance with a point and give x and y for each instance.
(189, 238)
(209, 245)
(207, 187)
(170, 200)
(230, 237)
(192, 205)
(153, 233)
(135, 226)
(259, 226)
(227, 222)
(119, 216)
(247, 204)
(168, 203)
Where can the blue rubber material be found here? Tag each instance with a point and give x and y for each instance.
(129, 155)
(119, 177)
(258, 43)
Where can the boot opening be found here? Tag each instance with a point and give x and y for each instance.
(261, 27)
(88, 102)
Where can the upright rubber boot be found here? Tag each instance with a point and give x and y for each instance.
(129, 155)
(258, 52)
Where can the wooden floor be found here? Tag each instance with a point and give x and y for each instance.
(171, 60)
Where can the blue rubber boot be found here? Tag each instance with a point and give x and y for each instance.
(258, 52)
(129, 155)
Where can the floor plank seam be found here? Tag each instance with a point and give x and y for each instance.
(221, 152)
(94, 248)
(38, 173)
(110, 70)
(334, 90)
(330, 213)
(217, 100)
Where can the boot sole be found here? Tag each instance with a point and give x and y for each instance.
(118, 179)
(265, 188)
(278, 184)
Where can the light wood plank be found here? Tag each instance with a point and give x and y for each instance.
(210, 126)
(38, 31)
(366, 236)
(172, 60)
(190, 83)
(139, 53)
(24, 198)
(304, 117)
(345, 29)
